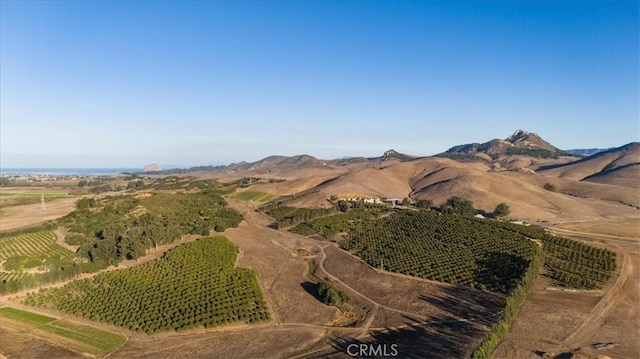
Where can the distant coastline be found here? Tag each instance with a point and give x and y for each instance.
(66, 171)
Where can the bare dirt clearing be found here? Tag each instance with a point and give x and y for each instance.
(17, 345)
(31, 214)
(280, 273)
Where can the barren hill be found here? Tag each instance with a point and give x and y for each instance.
(440, 178)
(619, 166)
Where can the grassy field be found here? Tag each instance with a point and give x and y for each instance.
(24, 316)
(77, 337)
(253, 196)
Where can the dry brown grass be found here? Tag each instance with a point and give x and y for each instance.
(31, 214)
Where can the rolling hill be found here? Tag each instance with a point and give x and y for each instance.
(619, 166)
(513, 170)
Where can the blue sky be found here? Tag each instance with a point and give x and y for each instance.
(124, 84)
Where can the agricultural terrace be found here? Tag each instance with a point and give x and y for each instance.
(78, 337)
(194, 285)
(31, 258)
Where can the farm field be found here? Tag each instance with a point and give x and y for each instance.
(73, 336)
(32, 248)
(459, 250)
(18, 196)
(253, 196)
(31, 258)
(207, 291)
(13, 217)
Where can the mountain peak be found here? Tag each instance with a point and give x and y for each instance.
(521, 135)
(393, 154)
(519, 143)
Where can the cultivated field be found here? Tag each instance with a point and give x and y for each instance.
(207, 291)
(253, 196)
(31, 258)
(59, 332)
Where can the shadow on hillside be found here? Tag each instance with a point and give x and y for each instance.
(311, 288)
(464, 319)
(483, 308)
(442, 337)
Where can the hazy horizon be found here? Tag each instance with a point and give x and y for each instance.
(126, 84)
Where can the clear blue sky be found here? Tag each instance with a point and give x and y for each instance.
(124, 84)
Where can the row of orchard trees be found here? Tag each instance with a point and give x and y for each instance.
(464, 250)
(450, 248)
(193, 285)
(569, 263)
(514, 302)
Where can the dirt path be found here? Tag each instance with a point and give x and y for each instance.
(610, 299)
(602, 236)
(61, 233)
(323, 255)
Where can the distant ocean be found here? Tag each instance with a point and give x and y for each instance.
(66, 171)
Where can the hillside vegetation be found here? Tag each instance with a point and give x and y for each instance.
(112, 228)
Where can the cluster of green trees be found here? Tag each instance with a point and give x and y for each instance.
(329, 227)
(459, 206)
(330, 295)
(193, 285)
(450, 248)
(570, 264)
(290, 216)
(124, 227)
(533, 152)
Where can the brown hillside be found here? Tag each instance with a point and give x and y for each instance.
(439, 178)
(618, 166)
